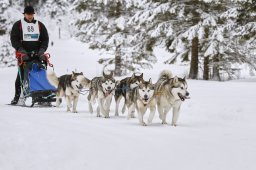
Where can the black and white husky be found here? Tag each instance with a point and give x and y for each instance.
(142, 99)
(170, 92)
(68, 85)
(102, 89)
(124, 89)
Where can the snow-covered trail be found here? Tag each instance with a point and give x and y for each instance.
(216, 127)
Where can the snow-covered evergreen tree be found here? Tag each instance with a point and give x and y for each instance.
(7, 57)
(105, 25)
(4, 4)
(215, 27)
(227, 44)
(245, 32)
(54, 8)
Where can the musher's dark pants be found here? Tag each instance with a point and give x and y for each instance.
(18, 82)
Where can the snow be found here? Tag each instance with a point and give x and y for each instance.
(216, 127)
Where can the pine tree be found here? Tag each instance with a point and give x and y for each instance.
(4, 4)
(6, 52)
(227, 43)
(105, 25)
(245, 34)
(54, 8)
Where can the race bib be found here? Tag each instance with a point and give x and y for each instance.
(30, 31)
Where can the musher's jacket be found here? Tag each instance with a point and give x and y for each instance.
(34, 37)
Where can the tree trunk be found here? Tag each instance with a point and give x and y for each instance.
(215, 69)
(206, 68)
(118, 71)
(193, 73)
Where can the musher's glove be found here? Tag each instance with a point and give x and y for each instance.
(42, 58)
(22, 50)
(25, 57)
(41, 52)
(24, 54)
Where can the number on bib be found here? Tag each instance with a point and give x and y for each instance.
(30, 29)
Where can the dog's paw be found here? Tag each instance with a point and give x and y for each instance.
(106, 117)
(143, 124)
(129, 116)
(174, 124)
(164, 122)
(74, 111)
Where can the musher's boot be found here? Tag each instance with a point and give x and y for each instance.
(15, 100)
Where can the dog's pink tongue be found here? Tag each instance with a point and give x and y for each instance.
(108, 93)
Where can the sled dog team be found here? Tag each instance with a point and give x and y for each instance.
(168, 92)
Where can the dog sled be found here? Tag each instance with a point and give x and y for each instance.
(35, 88)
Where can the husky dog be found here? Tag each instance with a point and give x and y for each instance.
(102, 89)
(142, 99)
(69, 86)
(170, 92)
(124, 88)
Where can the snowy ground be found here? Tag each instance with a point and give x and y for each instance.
(216, 127)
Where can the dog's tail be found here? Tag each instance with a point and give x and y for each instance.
(165, 75)
(53, 79)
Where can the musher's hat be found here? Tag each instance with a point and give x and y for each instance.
(29, 10)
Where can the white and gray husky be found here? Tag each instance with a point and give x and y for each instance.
(68, 85)
(143, 98)
(170, 92)
(102, 89)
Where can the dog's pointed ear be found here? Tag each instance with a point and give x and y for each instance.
(117, 82)
(133, 75)
(175, 79)
(184, 78)
(141, 76)
(82, 73)
(73, 74)
(150, 81)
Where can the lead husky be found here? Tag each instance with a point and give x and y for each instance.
(170, 92)
(69, 86)
(124, 88)
(142, 99)
(102, 89)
